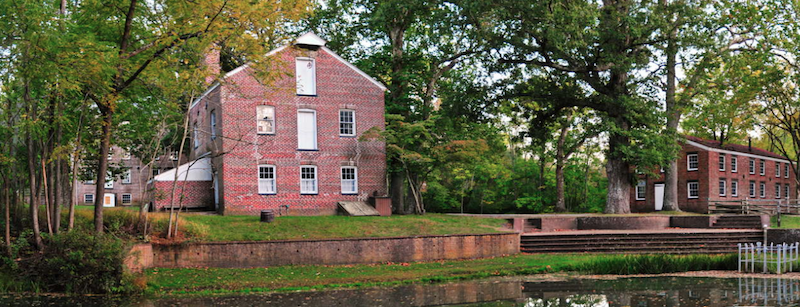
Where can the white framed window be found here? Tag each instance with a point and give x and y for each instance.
(90, 181)
(109, 181)
(174, 155)
(88, 198)
(266, 179)
(307, 129)
(752, 188)
(308, 179)
(347, 122)
(778, 170)
(156, 171)
(722, 162)
(762, 167)
(641, 190)
(693, 187)
(762, 190)
(734, 188)
(777, 190)
(213, 123)
(722, 187)
(265, 119)
(195, 135)
(786, 170)
(126, 198)
(110, 155)
(126, 177)
(752, 165)
(692, 162)
(734, 163)
(306, 76)
(126, 155)
(349, 180)
(786, 191)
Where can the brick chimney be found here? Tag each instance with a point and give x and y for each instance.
(212, 64)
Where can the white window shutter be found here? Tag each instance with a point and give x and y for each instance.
(306, 130)
(306, 75)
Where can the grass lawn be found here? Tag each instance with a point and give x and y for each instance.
(200, 281)
(787, 221)
(249, 228)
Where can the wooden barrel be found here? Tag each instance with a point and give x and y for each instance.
(267, 216)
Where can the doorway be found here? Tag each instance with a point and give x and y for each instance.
(659, 196)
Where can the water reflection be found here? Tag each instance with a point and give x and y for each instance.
(634, 292)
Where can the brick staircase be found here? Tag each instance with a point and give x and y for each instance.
(738, 221)
(622, 242)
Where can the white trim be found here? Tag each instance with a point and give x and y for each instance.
(122, 198)
(778, 187)
(722, 187)
(355, 179)
(316, 129)
(734, 188)
(724, 162)
(734, 162)
(762, 189)
(359, 71)
(316, 180)
(753, 189)
(274, 181)
(643, 185)
(689, 162)
(213, 86)
(353, 112)
(704, 147)
(90, 201)
(312, 82)
(689, 189)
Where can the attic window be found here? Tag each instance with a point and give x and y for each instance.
(265, 116)
(306, 76)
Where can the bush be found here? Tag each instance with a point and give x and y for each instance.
(78, 262)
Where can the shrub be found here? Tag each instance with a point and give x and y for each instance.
(657, 264)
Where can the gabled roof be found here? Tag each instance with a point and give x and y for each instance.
(310, 39)
(736, 148)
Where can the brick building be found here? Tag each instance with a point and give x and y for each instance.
(291, 145)
(709, 171)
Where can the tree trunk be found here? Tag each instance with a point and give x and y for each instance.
(102, 167)
(7, 214)
(561, 205)
(618, 173)
(33, 199)
(396, 180)
(673, 118)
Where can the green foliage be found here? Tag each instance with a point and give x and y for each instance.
(658, 264)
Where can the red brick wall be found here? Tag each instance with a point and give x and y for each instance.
(241, 149)
(708, 175)
(196, 194)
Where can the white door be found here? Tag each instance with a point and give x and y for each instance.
(659, 196)
(108, 200)
(306, 129)
(216, 191)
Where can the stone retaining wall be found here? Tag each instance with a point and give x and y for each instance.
(322, 252)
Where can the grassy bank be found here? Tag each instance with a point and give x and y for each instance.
(213, 280)
(787, 222)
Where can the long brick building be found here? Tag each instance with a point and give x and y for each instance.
(709, 171)
(292, 145)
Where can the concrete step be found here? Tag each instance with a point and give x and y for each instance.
(667, 242)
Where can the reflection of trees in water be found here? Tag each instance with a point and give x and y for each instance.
(576, 300)
(768, 291)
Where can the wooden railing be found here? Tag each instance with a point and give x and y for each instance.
(755, 206)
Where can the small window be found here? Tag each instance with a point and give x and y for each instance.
(347, 122)
(156, 171)
(89, 182)
(126, 177)
(265, 116)
(306, 76)
(308, 179)
(734, 188)
(752, 189)
(786, 191)
(762, 165)
(195, 135)
(174, 155)
(734, 163)
(762, 190)
(126, 198)
(692, 162)
(722, 162)
(126, 155)
(641, 190)
(786, 170)
(88, 198)
(109, 181)
(110, 155)
(777, 190)
(778, 170)
(349, 180)
(213, 124)
(722, 187)
(694, 189)
(752, 166)
(266, 179)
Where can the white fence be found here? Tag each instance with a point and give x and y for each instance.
(768, 291)
(779, 258)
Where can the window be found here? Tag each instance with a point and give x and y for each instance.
(722, 187)
(752, 166)
(88, 198)
(109, 181)
(694, 189)
(306, 76)
(761, 165)
(174, 155)
(692, 162)
(307, 129)
(752, 188)
(126, 198)
(734, 188)
(786, 170)
(156, 171)
(722, 162)
(265, 116)
(126, 177)
(110, 155)
(734, 163)
(195, 135)
(347, 122)
(308, 179)
(349, 180)
(266, 179)
(126, 155)
(90, 181)
(762, 190)
(777, 190)
(786, 191)
(213, 120)
(778, 169)
(641, 189)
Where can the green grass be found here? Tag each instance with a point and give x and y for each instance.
(204, 281)
(787, 222)
(249, 228)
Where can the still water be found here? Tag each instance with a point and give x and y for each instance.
(634, 292)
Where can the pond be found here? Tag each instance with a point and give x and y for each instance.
(650, 291)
